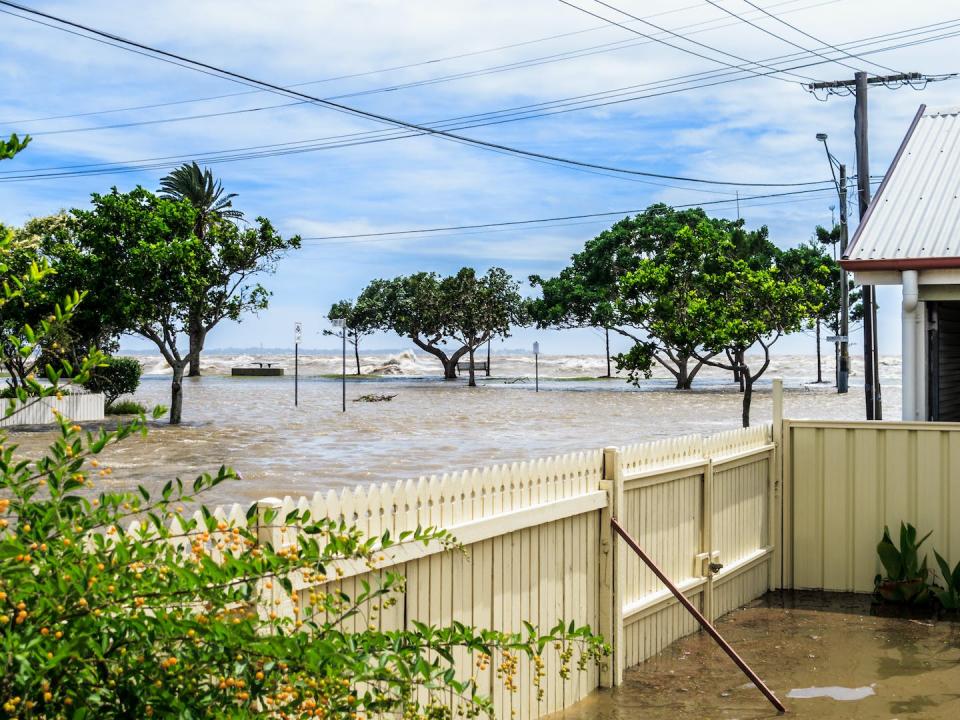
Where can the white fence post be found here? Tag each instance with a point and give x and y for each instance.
(775, 493)
(611, 570)
(706, 540)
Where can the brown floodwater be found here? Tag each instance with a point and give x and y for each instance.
(823, 655)
(429, 427)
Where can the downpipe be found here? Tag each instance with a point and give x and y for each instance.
(908, 353)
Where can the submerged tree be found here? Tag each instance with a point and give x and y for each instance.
(590, 291)
(205, 193)
(445, 316)
(485, 306)
(811, 259)
(141, 252)
(361, 318)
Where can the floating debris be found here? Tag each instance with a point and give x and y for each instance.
(375, 397)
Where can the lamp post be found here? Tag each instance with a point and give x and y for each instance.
(297, 336)
(342, 324)
(536, 366)
(843, 376)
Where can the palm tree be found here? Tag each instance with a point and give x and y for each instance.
(199, 188)
(189, 182)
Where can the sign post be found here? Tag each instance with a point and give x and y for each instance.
(342, 324)
(297, 336)
(536, 366)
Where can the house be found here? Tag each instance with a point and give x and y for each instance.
(910, 236)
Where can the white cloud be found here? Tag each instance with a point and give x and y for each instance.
(759, 129)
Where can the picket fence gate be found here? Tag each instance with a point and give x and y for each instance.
(537, 547)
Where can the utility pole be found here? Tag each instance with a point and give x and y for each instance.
(858, 88)
(844, 374)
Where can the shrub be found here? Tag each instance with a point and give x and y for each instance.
(125, 407)
(120, 376)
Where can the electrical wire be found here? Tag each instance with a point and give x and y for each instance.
(277, 149)
(764, 30)
(816, 39)
(293, 147)
(522, 64)
(242, 79)
(658, 84)
(561, 219)
(772, 74)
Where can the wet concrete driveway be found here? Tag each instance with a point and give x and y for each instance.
(824, 655)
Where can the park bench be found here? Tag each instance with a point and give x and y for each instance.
(478, 366)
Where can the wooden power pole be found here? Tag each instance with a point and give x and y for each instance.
(858, 88)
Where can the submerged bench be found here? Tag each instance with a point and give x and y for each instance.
(260, 371)
(477, 366)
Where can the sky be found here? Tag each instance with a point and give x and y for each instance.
(422, 62)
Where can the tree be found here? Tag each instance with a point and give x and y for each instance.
(484, 307)
(589, 292)
(810, 260)
(738, 305)
(139, 254)
(199, 188)
(362, 318)
(13, 145)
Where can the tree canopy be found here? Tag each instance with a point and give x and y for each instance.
(447, 317)
(361, 318)
(590, 291)
(737, 303)
(139, 254)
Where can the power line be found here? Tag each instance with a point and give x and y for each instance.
(293, 147)
(664, 83)
(239, 78)
(530, 62)
(745, 67)
(562, 218)
(816, 39)
(772, 34)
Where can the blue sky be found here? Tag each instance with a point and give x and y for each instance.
(758, 130)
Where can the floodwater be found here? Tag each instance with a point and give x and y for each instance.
(823, 655)
(430, 426)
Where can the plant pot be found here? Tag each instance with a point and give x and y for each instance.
(914, 591)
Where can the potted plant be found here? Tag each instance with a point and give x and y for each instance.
(949, 596)
(905, 579)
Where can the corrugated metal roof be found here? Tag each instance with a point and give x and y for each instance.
(914, 221)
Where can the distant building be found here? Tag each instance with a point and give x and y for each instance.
(910, 236)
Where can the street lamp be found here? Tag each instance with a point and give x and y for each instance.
(342, 324)
(297, 336)
(536, 366)
(843, 376)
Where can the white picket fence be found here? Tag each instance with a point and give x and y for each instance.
(538, 548)
(80, 407)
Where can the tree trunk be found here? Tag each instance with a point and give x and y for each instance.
(606, 331)
(736, 367)
(819, 368)
(197, 336)
(356, 353)
(449, 368)
(747, 393)
(487, 373)
(741, 367)
(683, 373)
(473, 379)
(176, 393)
